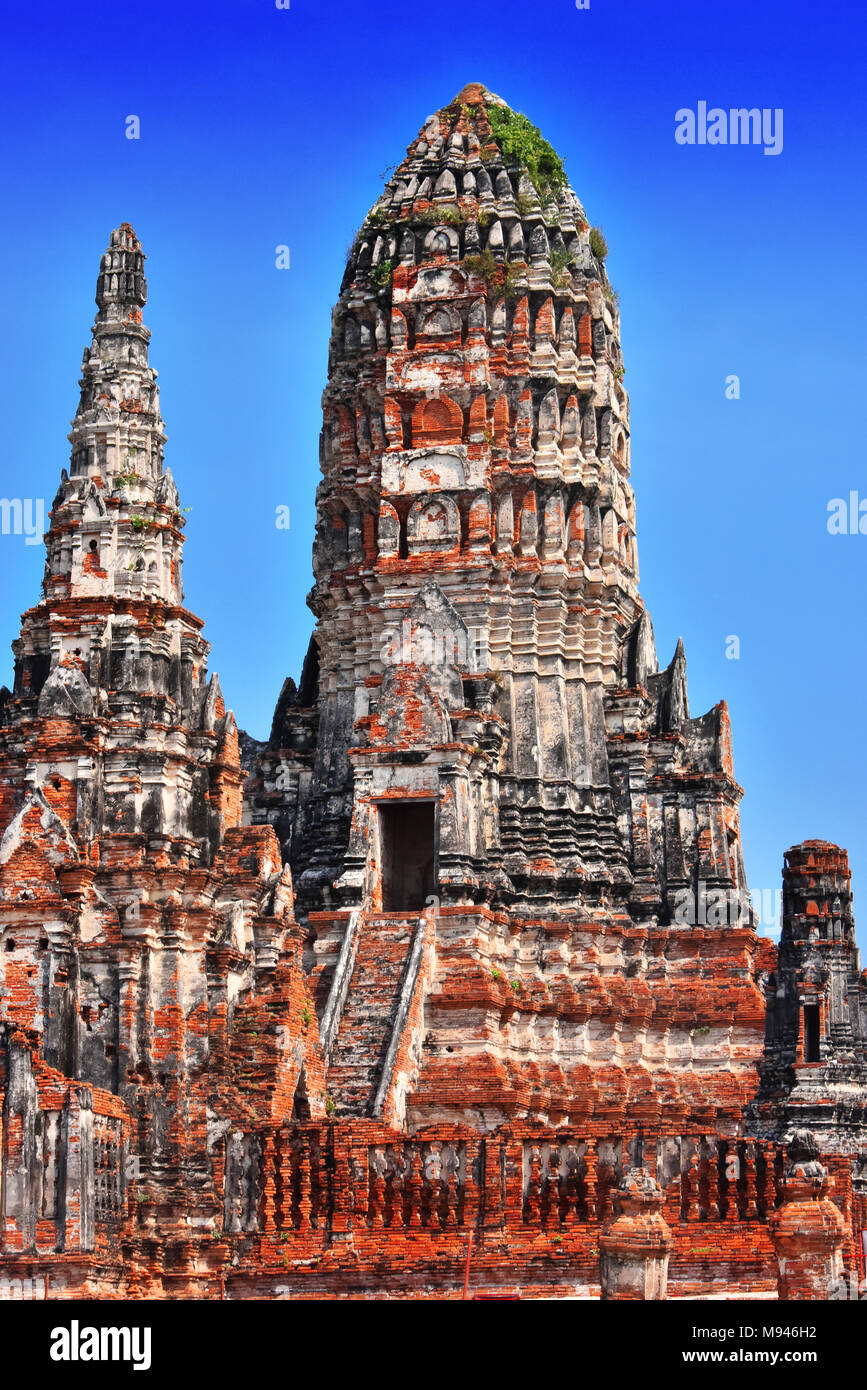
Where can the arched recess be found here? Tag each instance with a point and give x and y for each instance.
(388, 533)
(433, 524)
(437, 421)
(441, 322)
(442, 241)
(339, 541)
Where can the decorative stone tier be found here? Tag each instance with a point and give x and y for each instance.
(354, 1208)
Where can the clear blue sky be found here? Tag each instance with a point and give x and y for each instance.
(262, 126)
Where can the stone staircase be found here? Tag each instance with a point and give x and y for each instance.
(364, 1034)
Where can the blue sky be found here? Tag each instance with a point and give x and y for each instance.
(262, 127)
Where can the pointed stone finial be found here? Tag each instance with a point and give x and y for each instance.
(121, 273)
(476, 94)
(472, 94)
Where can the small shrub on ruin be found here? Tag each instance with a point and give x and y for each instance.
(382, 275)
(598, 244)
(523, 143)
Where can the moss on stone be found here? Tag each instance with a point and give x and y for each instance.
(523, 142)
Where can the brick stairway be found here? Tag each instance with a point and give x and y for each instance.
(365, 1028)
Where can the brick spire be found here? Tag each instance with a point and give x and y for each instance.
(134, 907)
(110, 649)
(116, 527)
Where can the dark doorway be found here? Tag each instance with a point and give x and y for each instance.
(407, 838)
(301, 1103)
(811, 1032)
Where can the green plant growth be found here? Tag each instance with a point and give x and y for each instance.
(522, 142)
(496, 974)
(559, 261)
(330, 1107)
(306, 1015)
(612, 296)
(501, 279)
(141, 526)
(450, 214)
(598, 244)
(382, 275)
(516, 985)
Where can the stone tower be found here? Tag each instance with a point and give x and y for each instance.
(146, 937)
(111, 638)
(482, 725)
(814, 1075)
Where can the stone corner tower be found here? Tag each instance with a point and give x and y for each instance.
(814, 1074)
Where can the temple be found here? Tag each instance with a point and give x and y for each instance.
(295, 1018)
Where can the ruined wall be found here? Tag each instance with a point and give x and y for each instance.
(354, 1209)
